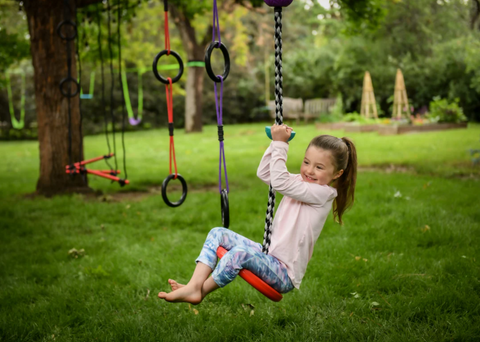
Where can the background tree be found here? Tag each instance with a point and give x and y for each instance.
(49, 59)
(326, 52)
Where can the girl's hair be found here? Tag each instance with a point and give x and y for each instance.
(344, 158)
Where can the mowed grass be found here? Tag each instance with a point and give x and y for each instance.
(405, 266)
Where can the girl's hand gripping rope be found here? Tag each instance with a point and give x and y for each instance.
(281, 133)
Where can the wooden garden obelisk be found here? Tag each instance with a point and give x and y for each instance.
(400, 99)
(368, 98)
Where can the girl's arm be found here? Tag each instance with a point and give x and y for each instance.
(263, 171)
(290, 185)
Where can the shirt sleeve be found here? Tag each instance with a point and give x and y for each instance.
(291, 185)
(263, 171)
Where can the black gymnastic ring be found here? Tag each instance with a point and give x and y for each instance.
(225, 208)
(67, 22)
(208, 65)
(180, 66)
(69, 79)
(164, 190)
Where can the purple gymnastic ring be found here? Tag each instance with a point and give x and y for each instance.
(278, 3)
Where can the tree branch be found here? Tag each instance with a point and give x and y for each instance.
(187, 32)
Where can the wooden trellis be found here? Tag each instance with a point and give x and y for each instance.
(400, 99)
(368, 98)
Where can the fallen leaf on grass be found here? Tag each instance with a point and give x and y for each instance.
(358, 258)
(74, 253)
(195, 311)
(426, 228)
(250, 307)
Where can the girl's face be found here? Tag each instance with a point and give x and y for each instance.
(318, 167)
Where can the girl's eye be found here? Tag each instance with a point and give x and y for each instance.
(305, 162)
(318, 167)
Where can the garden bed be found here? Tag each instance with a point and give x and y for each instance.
(361, 128)
(333, 125)
(403, 129)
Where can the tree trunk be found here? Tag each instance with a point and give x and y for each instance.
(194, 85)
(49, 58)
(194, 100)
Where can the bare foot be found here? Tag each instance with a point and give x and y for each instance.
(174, 285)
(187, 293)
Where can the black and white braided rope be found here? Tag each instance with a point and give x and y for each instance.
(278, 120)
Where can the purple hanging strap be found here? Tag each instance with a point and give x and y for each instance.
(219, 107)
(216, 24)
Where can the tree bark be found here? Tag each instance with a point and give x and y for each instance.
(195, 75)
(49, 59)
(475, 13)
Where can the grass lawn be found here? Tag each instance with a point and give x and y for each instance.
(404, 267)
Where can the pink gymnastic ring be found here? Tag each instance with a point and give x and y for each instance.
(255, 281)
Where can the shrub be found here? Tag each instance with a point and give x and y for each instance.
(355, 117)
(338, 110)
(442, 111)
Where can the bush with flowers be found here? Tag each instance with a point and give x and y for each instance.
(419, 119)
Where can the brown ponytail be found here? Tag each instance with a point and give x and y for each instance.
(344, 156)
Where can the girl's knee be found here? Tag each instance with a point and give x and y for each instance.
(217, 231)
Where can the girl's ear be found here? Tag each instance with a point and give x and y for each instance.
(338, 174)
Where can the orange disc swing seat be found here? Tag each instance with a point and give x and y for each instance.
(255, 281)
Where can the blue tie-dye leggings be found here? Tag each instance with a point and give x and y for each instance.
(242, 253)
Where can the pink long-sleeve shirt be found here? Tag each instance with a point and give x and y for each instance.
(301, 214)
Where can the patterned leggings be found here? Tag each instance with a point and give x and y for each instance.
(242, 253)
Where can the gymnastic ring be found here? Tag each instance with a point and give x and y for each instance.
(164, 190)
(67, 22)
(208, 65)
(180, 66)
(225, 208)
(69, 79)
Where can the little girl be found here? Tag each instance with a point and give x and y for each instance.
(327, 179)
